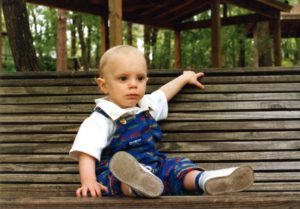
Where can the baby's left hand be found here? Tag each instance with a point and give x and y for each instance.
(192, 78)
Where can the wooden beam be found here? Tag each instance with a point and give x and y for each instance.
(234, 20)
(72, 5)
(115, 20)
(216, 44)
(256, 6)
(149, 21)
(277, 41)
(177, 49)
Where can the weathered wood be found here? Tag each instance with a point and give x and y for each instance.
(180, 107)
(152, 80)
(209, 88)
(27, 148)
(115, 19)
(243, 117)
(173, 116)
(243, 201)
(277, 41)
(168, 127)
(75, 179)
(191, 136)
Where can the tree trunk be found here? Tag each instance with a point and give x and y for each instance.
(153, 40)
(89, 44)
(297, 52)
(166, 54)
(129, 33)
(61, 42)
(19, 35)
(242, 57)
(147, 30)
(73, 37)
(82, 43)
(264, 44)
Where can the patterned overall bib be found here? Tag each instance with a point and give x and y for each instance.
(137, 135)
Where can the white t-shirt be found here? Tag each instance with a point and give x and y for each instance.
(96, 132)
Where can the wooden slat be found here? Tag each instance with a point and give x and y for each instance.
(207, 97)
(152, 80)
(53, 90)
(174, 107)
(199, 156)
(74, 178)
(170, 126)
(231, 126)
(189, 116)
(55, 164)
(244, 200)
(27, 148)
(168, 137)
(36, 158)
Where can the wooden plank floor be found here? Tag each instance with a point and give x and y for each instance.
(233, 201)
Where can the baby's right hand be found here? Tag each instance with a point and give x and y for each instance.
(94, 188)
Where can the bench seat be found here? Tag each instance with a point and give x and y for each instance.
(244, 116)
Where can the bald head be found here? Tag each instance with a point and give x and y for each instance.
(113, 53)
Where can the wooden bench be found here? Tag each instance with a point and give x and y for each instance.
(244, 116)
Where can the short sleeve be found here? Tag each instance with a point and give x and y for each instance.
(158, 104)
(92, 136)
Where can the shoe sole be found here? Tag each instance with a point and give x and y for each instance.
(239, 180)
(128, 170)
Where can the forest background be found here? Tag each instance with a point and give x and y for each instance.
(84, 38)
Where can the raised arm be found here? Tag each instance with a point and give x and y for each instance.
(188, 77)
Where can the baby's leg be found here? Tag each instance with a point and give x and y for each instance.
(135, 178)
(127, 191)
(220, 181)
(189, 180)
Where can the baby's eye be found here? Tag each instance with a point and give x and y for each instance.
(122, 78)
(141, 78)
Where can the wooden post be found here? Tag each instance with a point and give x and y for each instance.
(177, 49)
(104, 34)
(277, 41)
(216, 33)
(115, 21)
(1, 42)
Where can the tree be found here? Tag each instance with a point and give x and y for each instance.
(264, 44)
(61, 42)
(20, 38)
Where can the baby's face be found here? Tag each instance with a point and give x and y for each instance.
(125, 80)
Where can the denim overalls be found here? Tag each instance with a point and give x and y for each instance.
(137, 135)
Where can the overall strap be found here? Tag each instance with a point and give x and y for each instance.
(99, 110)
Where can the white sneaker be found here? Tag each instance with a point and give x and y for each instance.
(227, 180)
(129, 171)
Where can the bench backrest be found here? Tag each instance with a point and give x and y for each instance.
(244, 116)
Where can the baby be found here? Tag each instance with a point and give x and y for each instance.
(115, 145)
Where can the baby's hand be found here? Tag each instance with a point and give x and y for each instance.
(94, 188)
(192, 78)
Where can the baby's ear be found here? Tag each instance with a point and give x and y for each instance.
(102, 85)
